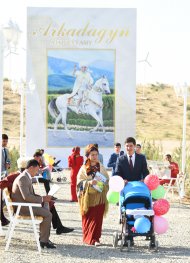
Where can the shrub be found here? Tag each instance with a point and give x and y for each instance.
(177, 153)
(152, 151)
(14, 155)
(165, 104)
(176, 156)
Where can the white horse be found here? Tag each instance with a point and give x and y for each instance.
(92, 105)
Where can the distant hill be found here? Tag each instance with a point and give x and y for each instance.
(61, 81)
(60, 72)
(159, 116)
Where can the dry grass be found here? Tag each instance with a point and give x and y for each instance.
(159, 117)
(11, 111)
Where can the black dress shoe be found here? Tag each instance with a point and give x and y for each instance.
(48, 244)
(51, 243)
(63, 229)
(5, 222)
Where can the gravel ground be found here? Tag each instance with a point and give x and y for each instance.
(173, 246)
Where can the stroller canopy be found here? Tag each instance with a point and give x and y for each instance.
(136, 188)
(134, 192)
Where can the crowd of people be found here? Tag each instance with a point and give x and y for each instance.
(131, 166)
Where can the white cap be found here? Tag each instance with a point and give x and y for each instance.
(83, 64)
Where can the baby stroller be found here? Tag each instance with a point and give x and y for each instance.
(135, 201)
(58, 173)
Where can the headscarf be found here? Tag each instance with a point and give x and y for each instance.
(74, 155)
(91, 170)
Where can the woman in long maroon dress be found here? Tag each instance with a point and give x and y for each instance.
(93, 204)
(75, 161)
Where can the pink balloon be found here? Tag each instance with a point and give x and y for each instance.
(116, 183)
(161, 207)
(160, 225)
(152, 181)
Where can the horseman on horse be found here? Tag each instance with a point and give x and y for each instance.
(82, 83)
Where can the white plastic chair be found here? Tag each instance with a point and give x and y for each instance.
(16, 218)
(178, 186)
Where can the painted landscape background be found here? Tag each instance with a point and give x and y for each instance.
(61, 81)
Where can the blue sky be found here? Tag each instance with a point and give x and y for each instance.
(81, 55)
(163, 30)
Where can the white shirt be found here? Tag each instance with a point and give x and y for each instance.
(132, 158)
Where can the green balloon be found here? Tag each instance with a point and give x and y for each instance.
(112, 197)
(158, 193)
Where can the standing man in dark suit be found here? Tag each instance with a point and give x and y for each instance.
(22, 191)
(114, 156)
(5, 160)
(131, 166)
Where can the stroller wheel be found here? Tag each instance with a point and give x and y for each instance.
(153, 246)
(115, 239)
(58, 179)
(129, 245)
(64, 179)
(122, 241)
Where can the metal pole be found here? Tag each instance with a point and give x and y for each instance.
(1, 108)
(21, 116)
(183, 159)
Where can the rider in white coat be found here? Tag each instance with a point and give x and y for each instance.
(83, 82)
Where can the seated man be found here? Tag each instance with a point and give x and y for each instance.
(174, 170)
(8, 182)
(22, 191)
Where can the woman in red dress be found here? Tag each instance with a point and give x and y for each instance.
(75, 161)
(93, 203)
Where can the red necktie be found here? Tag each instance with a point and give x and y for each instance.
(130, 163)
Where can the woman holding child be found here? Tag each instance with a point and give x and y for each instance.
(93, 203)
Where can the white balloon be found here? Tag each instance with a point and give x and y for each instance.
(116, 183)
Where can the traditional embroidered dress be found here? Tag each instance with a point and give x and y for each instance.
(93, 204)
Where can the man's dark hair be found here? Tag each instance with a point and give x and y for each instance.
(168, 155)
(42, 151)
(5, 137)
(37, 154)
(33, 163)
(130, 139)
(138, 145)
(117, 144)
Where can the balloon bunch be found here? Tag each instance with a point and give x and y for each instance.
(116, 184)
(160, 206)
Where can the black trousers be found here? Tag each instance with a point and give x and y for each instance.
(56, 222)
(2, 216)
(46, 184)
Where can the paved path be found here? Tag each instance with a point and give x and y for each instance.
(174, 246)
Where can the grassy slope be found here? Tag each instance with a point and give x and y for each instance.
(159, 117)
